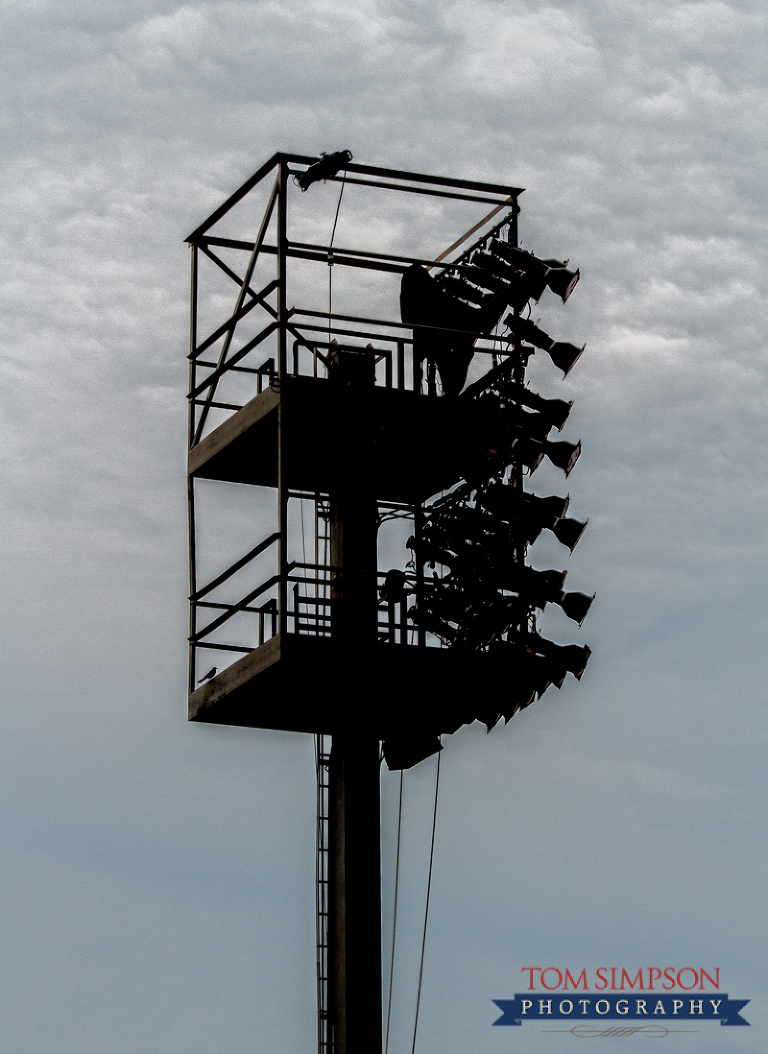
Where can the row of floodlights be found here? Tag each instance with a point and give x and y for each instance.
(478, 544)
(511, 424)
(538, 664)
(502, 270)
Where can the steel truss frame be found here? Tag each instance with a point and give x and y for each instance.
(294, 598)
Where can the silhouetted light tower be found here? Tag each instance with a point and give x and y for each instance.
(349, 421)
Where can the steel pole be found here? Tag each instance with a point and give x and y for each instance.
(354, 793)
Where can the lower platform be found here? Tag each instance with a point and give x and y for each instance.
(309, 684)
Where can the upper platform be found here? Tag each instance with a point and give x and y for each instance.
(417, 439)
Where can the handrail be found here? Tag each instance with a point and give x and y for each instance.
(217, 373)
(256, 551)
(235, 608)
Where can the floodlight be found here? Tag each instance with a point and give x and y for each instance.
(555, 410)
(564, 356)
(560, 280)
(568, 531)
(570, 657)
(576, 605)
(530, 452)
(543, 273)
(456, 285)
(527, 330)
(563, 455)
(514, 505)
(326, 166)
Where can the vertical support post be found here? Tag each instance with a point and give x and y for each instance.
(353, 505)
(190, 482)
(355, 902)
(355, 863)
(192, 342)
(282, 373)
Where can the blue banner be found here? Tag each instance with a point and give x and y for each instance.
(649, 1007)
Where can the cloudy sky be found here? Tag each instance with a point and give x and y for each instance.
(157, 877)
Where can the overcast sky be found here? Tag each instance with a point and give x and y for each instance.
(157, 877)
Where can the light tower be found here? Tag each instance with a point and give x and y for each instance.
(343, 420)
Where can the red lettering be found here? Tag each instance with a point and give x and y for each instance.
(575, 984)
(687, 969)
(705, 974)
(613, 977)
(631, 983)
(651, 971)
(603, 978)
(530, 970)
(551, 969)
(669, 974)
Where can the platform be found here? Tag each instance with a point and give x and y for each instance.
(307, 684)
(418, 439)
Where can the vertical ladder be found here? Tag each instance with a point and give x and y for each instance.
(322, 858)
(322, 887)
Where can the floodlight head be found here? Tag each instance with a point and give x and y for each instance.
(551, 506)
(555, 410)
(519, 507)
(576, 605)
(564, 356)
(540, 587)
(563, 455)
(326, 166)
(539, 273)
(535, 273)
(560, 280)
(568, 532)
(571, 658)
(527, 284)
(574, 658)
(528, 452)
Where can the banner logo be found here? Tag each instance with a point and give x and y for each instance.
(659, 1010)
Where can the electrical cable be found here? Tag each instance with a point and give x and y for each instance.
(426, 908)
(330, 256)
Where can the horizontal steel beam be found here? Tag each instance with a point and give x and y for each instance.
(363, 170)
